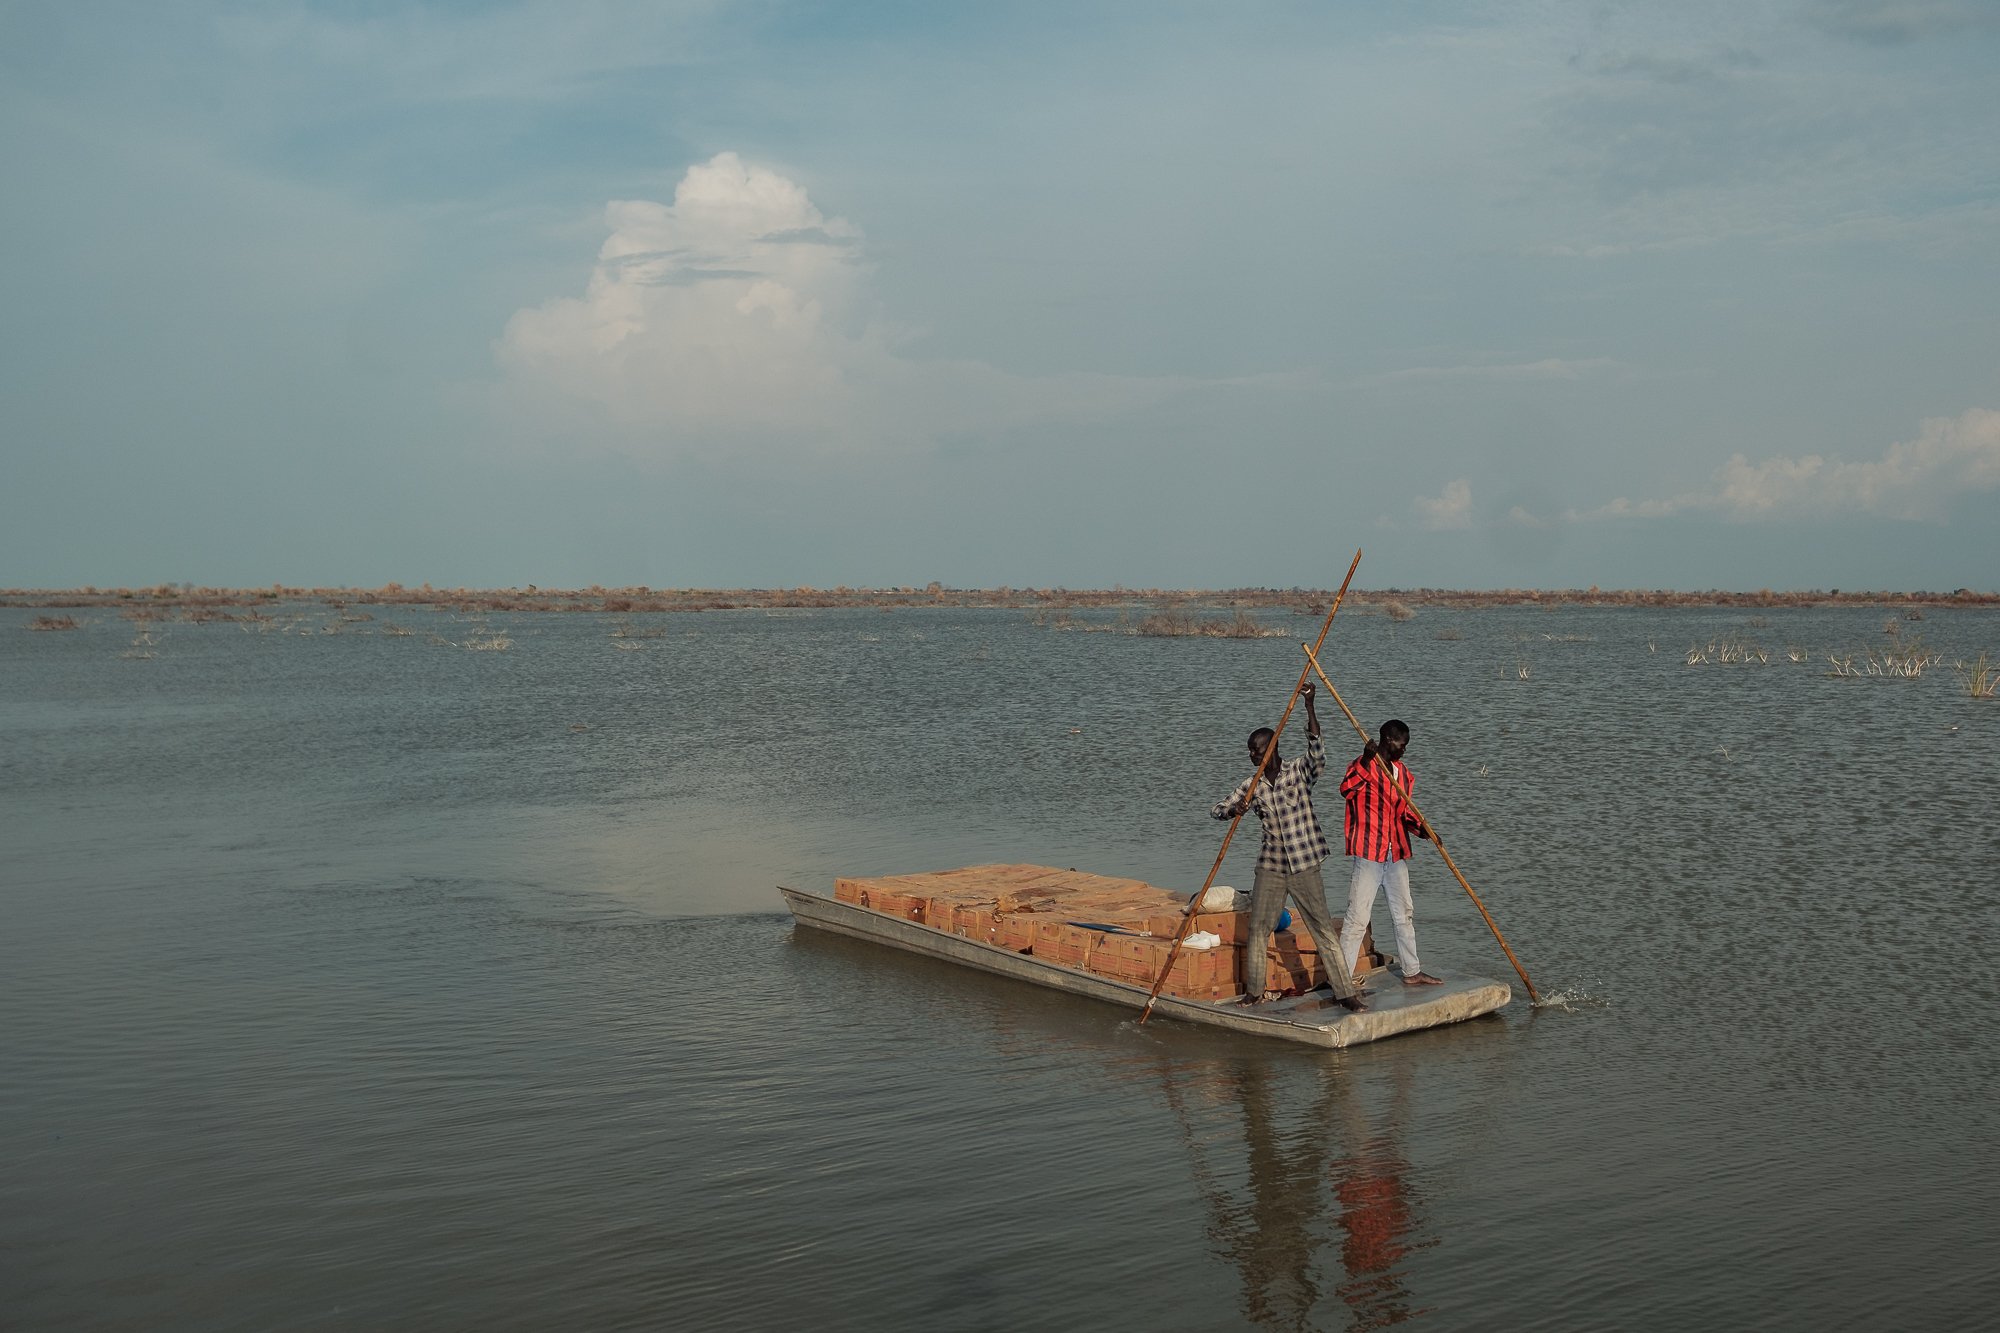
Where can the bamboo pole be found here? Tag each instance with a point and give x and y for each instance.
(1194, 903)
(1312, 664)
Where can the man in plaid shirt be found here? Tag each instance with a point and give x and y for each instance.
(1289, 863)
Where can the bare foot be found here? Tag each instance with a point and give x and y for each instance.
(1421, 979)
(1354, 1004)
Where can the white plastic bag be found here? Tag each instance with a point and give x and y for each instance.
(1222, 898)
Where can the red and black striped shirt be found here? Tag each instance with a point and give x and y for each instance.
(1378, 818)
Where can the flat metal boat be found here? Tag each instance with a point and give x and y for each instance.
(1313, 1018)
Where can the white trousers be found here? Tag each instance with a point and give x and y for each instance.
(1393, 878)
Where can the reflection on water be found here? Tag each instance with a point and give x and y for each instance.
(1322, 1196)
(1378, 1216)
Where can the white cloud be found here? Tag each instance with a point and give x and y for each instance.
(1523, 517)
(737, 315)
(1549, 368)
(1913, 479)
(1450, 511)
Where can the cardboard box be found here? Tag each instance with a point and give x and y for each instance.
(975, 923)
(1066, 945)
(1279, 977)
(1284, 949)
(890, 903)
(1196, 973)
(1015, 932)
(1233, 927)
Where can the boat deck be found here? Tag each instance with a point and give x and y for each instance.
(1312, 1018)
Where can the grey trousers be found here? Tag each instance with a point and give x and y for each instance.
(1304, 887)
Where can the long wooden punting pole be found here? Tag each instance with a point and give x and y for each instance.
(1312, 664)
(1194, 903)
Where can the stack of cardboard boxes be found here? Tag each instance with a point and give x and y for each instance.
(1118, 928)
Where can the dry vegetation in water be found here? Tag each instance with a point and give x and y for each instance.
(170, 601)
(1183, 624)
(1980, 678)
(1907, 662)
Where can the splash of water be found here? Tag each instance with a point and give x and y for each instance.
(1571, 999)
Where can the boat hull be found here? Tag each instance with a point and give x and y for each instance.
(1312, 1019)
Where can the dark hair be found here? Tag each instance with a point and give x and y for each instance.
(1397, 726)
(1260, 740)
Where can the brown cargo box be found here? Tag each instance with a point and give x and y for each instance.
(1231, 926)
(1016, 932)
(889, 903)
(975, 923)
(1064, 944)
(1196, 974)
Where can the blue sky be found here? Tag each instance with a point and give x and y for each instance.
(1702, 295)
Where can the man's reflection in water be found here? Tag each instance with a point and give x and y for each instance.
(1314, 1154)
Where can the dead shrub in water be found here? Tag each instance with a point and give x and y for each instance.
(1398, 612)
(1169, 625)
(52, 622)
(1906, 663)
(1243, 625)
(1184, 624)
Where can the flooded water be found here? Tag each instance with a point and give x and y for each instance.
(356, 979)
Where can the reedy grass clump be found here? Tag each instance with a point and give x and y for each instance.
(1981, 677)
(1730, 651)
(1905, 663)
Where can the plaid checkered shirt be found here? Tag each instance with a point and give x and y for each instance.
(1284, 806)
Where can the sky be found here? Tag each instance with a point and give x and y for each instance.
(1526, 294)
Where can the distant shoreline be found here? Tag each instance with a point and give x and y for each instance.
(190, 602)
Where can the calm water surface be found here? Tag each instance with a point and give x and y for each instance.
(360, 980)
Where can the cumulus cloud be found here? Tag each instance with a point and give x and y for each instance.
(738, 315)
(1913, 479)
(1450, 511)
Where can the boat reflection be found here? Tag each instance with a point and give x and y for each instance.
(1319, 1164)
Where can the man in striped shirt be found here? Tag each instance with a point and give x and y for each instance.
(1379, 825)
(1289, 862)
